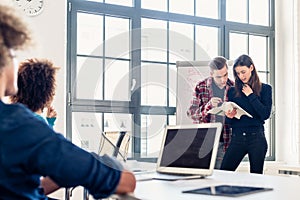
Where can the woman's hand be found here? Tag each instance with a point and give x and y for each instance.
(247, 90)
(51, 113)
(231, 113)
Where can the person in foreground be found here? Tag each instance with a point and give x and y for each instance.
(248, 135)
(209, 93)
(31, 149)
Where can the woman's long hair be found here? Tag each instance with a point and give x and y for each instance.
(254, 82)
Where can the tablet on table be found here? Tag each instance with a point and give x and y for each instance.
(228, 190)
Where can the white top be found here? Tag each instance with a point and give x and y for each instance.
(283, 187)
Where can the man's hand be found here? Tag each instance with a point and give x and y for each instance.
(127, 183)
(214, 101)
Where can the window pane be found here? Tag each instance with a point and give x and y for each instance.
(181, 42)
(86, 130)
(89, 34)
(120, 2)
(117, 122)
(268, 132)
(263, 77)
(172, 85)
(89, 82)
(96, 0)
(172, 119)
(154, 84)
(117, 80)
(154, 40)
(236, 10)
(258, 52)
(207, 42)
(207, 8)
(116, 33)
(259, 12)
(160, 5)
(152, 130)
(238, 45)
(182, 7)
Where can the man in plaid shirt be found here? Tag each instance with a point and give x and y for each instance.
(208, 94)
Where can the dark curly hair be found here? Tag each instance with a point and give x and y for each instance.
(14, 33)
(36, 83)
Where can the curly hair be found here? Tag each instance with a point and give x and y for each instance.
(36, 83)
(14, 33)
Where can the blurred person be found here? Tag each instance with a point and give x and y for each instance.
(31, 149)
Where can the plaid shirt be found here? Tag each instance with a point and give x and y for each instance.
(200, 105)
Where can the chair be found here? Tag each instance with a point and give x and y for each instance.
(114, 144)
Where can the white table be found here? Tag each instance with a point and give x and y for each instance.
(283, 187)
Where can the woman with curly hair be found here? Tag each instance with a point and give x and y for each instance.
(30, 149)
(36, 87)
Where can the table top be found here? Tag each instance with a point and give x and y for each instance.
(283, 187)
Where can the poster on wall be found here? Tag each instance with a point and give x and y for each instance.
(189, 73)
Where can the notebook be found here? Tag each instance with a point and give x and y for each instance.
(187, 151)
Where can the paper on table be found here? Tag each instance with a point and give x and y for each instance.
(229, 106)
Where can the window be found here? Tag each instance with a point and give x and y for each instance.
(206, 42)
(236, 10)
(255, 46)
(117, 2)
(207, 8)
(182, 7)
(249, 11)
(122, 61)
(160, 5)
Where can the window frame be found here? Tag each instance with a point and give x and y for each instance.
(133, 106)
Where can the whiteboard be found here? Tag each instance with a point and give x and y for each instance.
(189, 73)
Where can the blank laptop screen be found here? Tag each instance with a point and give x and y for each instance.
(188, 148)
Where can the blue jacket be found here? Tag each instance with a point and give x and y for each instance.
(30, 149)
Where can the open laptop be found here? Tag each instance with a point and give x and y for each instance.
(187, 151)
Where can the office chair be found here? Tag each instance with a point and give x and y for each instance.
(114, 144)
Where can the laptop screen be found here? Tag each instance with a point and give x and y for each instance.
(189, 148)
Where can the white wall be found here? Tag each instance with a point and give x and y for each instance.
(49, 35)
(287, 84)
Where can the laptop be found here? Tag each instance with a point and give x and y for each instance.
(187, 151)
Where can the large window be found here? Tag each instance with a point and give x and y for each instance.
(122, 61)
